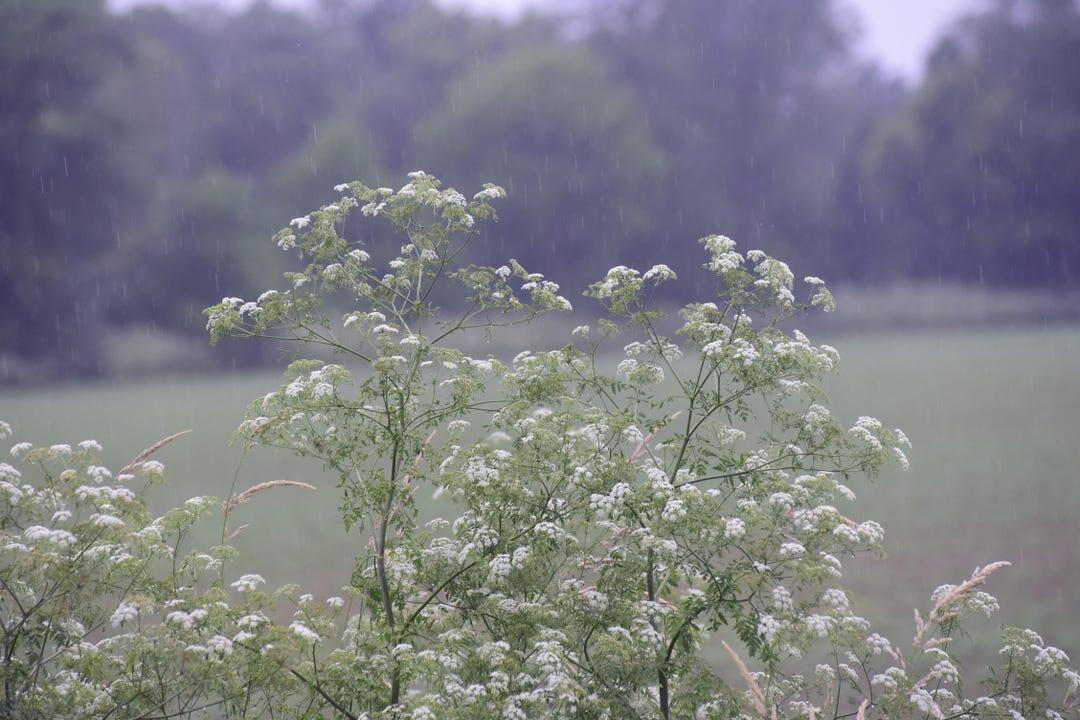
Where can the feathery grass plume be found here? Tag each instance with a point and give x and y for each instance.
(255, 489)
(920, 626)
(141, 457)
(936, 642)
(938, 612)
(977, 579)
(755, 689)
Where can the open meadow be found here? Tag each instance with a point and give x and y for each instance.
(994, 417)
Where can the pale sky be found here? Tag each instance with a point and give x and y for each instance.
(897, 33)
(900, 33)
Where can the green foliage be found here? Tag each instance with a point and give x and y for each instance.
(59, 173)
(566, 140)
(753, 116)
(604, 530)
(743, 106)
(341, 149)
(197, 251)
(967, 173)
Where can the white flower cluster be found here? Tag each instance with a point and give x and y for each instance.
(248, 583)
(724, 259)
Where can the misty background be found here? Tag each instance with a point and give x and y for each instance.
(148, 152)
(922, 156)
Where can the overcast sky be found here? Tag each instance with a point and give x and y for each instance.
(897, 33)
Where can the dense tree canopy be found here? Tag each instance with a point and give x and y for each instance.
(61, 184)
(979, 172)
(741, 98)
(144, 155)
(564, 138)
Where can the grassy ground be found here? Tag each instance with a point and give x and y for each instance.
(994, 417)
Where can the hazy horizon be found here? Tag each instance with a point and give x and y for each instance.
(896, 35)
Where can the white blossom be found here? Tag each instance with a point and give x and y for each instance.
(659, 273)
(124, 613)
(248, 583)
(304, 632)
(734, 528)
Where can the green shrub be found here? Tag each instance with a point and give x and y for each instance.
(612, 528)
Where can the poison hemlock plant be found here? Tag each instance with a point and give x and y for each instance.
(626, 541)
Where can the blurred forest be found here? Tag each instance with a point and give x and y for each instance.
(146, 157)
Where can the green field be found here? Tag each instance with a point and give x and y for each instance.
(994, 417)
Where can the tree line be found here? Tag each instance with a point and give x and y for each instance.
(146, 155)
